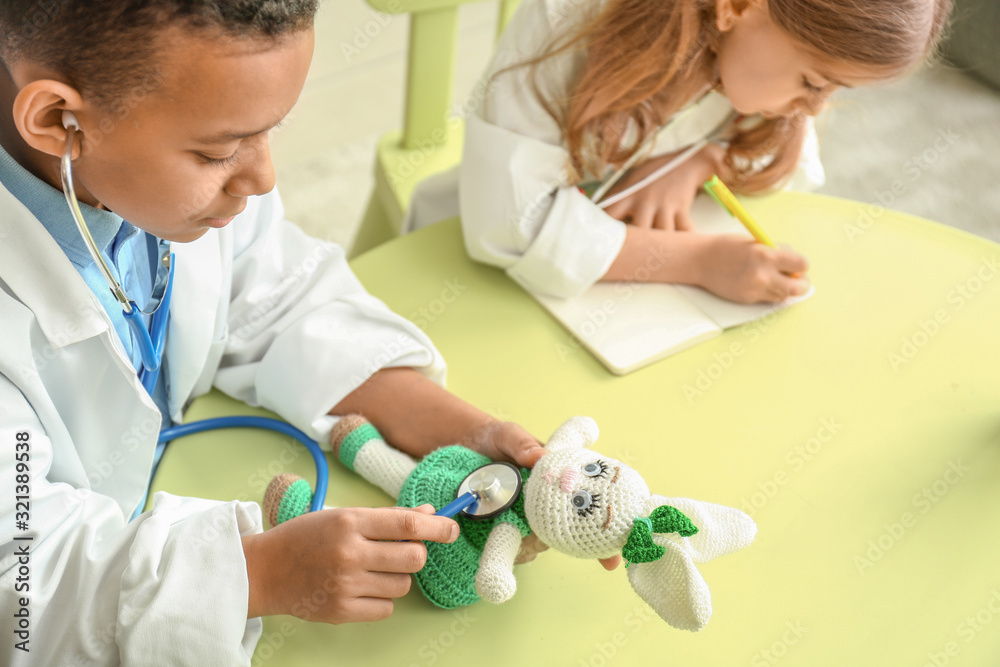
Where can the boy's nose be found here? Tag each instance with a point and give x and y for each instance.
(255, 175)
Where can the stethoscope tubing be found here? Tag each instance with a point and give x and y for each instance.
(215, 423)
(66, 175)
(656, 175)
(151, 352)
(151, 345)
(659, 173)
(464, 501)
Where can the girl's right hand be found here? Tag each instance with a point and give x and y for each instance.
(739, 269)
(340, 565)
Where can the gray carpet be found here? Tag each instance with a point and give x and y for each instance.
(928, 145)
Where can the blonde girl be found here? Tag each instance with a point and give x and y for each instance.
(579, 88)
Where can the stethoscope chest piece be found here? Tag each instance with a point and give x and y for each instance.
(497, 485)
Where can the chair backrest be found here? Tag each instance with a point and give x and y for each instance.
(431, 63)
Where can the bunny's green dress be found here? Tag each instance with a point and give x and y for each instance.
(448, 579)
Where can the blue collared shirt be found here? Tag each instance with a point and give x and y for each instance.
(130, 253)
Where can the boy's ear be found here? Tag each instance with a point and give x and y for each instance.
(38, 111)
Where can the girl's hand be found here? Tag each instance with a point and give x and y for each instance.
(340, 565)
(666, 203)
(739, 269)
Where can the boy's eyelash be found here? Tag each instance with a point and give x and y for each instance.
(222, 162)
(234, 158)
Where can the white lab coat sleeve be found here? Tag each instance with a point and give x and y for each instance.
(519, 211)
(549, 237)
(168, 588)
(303, 332)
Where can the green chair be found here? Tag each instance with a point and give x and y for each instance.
(430, 141)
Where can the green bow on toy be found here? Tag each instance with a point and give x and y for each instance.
(640, 547)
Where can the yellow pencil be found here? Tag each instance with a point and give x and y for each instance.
(728, 201)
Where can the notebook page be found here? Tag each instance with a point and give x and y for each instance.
(728, 314)
(629, 325)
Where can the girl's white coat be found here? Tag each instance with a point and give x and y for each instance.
(518, 211)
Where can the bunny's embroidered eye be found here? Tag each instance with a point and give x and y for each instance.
(596, 469)
(585, 503)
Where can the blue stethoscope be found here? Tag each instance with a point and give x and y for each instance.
(486, 492)
(151, 341)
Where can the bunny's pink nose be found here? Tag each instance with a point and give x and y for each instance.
(567, 479)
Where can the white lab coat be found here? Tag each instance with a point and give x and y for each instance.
(261, 311)
(518, 211)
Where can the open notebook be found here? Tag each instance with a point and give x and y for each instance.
(631, 325)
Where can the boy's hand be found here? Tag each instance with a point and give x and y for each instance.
(666, 203)
(505, 441)
(340, 565)
(739, 269)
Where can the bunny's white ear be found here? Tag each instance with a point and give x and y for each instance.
(721, 529)
(674, 588)
(575, 433)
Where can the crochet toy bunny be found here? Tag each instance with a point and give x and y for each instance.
(574, 500)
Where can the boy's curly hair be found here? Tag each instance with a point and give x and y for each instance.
(105, 48)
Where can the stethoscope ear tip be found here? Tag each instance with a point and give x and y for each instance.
(69, 120)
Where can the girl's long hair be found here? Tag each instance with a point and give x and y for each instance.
(647, 59)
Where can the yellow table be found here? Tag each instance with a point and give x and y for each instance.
(861, 429)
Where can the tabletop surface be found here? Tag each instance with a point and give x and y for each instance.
(860, 430)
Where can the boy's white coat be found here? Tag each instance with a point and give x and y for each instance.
(517, 211)
(261, 311)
